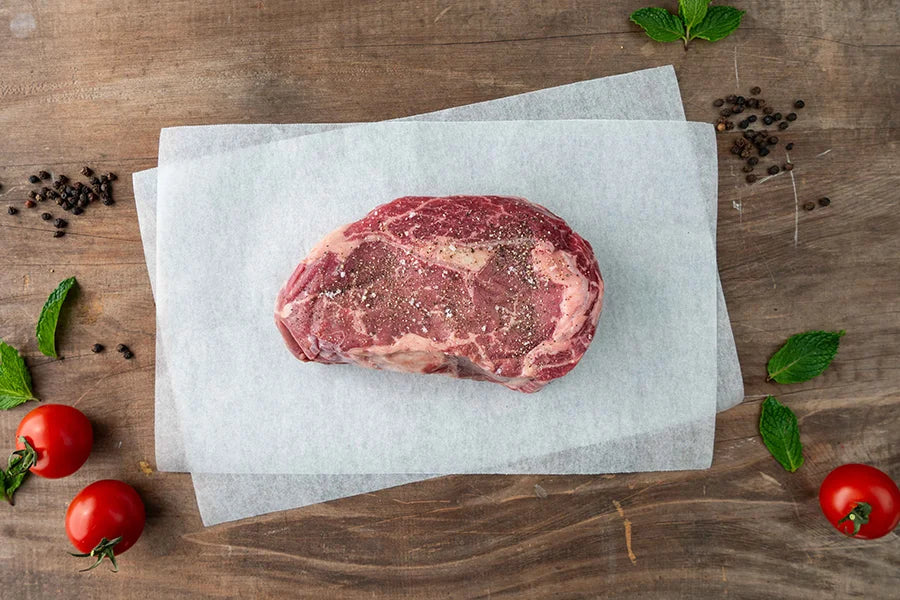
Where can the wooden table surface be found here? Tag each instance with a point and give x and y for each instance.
(93, 82)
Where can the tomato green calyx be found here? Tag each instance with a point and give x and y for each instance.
(17, 470)
(103, 550)
(859, 516)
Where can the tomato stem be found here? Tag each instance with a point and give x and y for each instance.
(102, 550)
(17, 470)
(859, 516)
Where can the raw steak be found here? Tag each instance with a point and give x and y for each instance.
(480, 287)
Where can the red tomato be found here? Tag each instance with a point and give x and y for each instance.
(61, 437)
(860, 501)
(105, 519)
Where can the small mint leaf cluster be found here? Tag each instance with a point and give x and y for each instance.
(695, 19)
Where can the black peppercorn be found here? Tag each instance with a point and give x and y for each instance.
(752, 161)
(725, 112)
(737, 109)
(783, 125)
(744, 124)
(59, 233)
(729, 125)
(747, 168)
(773, 170)
(745, 153)
(809, 205)
(63, 179)
(752, 118)
(43, 174)
(96, 347)
(768, 120)
(730, 98)
(824, 201)
(87, 172)
(768, 110)
(799, 104)
(718, 102)
(77, 210)
(12, 210)
(46, 216)
(34, 179)
(755, 90)
(60, 223)
(788, 166)
(777, 116)
(789, 146)
(751, 178)
(121, 348)
(128, 355)
(763, 151)
(772, 140)
(791, 117)
(104, 178)
(111, 176)
(108, 202)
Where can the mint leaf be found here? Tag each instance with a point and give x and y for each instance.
(46, 325)
(718, 23)
(660, 24)
(781, 434)
(804, 356)
(15, 380)
(692, 12)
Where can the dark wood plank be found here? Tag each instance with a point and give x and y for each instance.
(92, 82)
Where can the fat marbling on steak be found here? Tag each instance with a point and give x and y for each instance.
(480, 287)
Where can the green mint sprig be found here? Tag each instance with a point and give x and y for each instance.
(695, 19)
(781, 433)
(46, 325)
(15, 380)
(804, 356)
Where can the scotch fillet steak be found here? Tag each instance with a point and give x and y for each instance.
(479, 287)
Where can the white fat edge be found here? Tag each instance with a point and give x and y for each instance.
(577, 299)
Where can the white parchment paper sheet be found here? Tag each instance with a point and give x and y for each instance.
(632, 189)
(624, 96)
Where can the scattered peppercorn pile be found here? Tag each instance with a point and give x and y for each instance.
(74, 197)
(762, 141)
(754, 145)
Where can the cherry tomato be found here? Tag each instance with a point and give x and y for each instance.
(105, 519)
(61, 437)
(860, 501)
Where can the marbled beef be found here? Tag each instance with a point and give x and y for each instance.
(480, 287)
